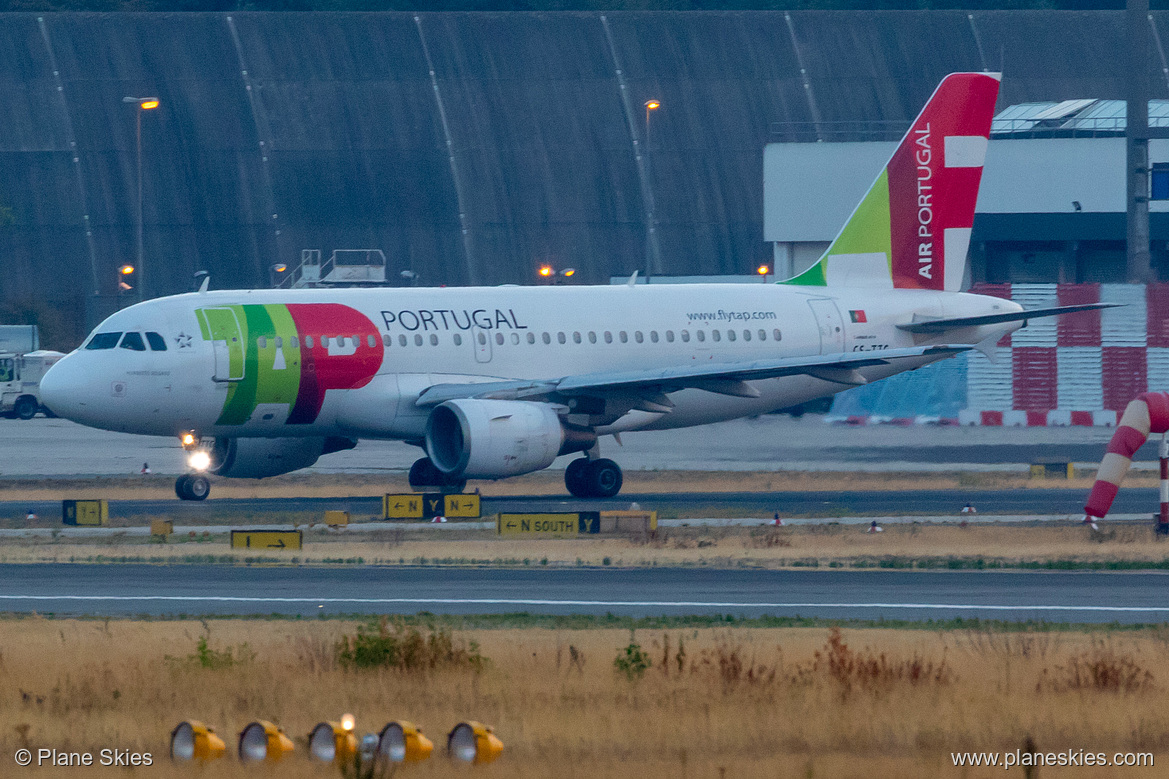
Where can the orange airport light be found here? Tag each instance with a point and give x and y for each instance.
(652, 105)
(402, 742)
(473, 742)
(149, 103)
(763, 270)
(261, 741)
(126, 270)
(546, 271)
(568, 272)
(192, 740)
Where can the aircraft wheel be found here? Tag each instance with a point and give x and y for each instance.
(424, 474)
(25, 408)
(576, 477)
(603, 478)
(199, 487)
(181, 486)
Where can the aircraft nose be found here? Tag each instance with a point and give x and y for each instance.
(60, 390)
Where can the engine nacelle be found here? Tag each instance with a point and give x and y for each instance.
(258, 458)
(490, 439)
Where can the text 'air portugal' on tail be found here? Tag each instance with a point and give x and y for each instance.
(911, 230)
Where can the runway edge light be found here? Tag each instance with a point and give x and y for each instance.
(333, 742)
(402, 742)
(473, 742)
(261, 741)
(192, 740)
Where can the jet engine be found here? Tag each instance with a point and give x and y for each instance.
(258, 458)
(490, 439)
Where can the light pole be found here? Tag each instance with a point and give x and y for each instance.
(124, 272)
(650, 105)
(144, 104)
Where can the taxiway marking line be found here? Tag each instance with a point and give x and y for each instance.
(549, 602)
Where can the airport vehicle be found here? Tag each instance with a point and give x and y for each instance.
(20, 377)
(500, 381)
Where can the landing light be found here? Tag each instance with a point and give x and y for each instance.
(199, 460)
(403, 742)
(189, 440)
(333, 742)
(262, 741)
(473, 742)
(192, 740)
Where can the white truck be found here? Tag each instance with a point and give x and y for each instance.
(20, 379)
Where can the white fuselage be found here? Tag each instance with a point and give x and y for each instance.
(416, 338)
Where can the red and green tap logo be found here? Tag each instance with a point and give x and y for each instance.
(288, 355)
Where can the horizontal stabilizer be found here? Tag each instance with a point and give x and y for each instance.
(941, 325)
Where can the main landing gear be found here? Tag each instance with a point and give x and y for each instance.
(423, 473)
(587, 478)
(193, 486)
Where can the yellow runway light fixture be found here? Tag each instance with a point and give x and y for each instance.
(333, 742)
(403, 742)
(192, 740)
(473, 742)
(261, 741)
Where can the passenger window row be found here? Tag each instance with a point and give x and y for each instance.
(579, 338)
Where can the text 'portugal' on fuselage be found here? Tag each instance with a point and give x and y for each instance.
(499, 381)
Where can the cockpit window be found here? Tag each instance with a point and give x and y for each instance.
(133, 341)
(103, 341)
(157, 342)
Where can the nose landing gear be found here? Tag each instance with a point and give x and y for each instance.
(193, 486)
(587, 478)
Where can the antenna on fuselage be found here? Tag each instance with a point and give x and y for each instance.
(203, 279)
(632, 279)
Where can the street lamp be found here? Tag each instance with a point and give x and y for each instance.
(763, 270)
(650, 106)
(124, 272)
(144, 104)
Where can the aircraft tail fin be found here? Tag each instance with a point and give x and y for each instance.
(912, 228)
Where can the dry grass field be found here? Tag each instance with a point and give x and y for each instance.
(901, 545)
(735, 702)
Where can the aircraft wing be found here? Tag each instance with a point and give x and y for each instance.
(722, 378)
(941, 325)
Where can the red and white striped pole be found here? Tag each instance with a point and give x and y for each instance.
(1163, 519)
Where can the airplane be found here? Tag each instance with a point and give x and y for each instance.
(493, 382)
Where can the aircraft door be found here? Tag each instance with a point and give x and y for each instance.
(830, 324)
(481, 342)
(227, 342)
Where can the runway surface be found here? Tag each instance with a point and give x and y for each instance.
(1048, 502)
(56, 447)
(224, 590)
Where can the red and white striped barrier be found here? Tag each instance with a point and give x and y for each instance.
(1149, 413)
(1053, 418)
